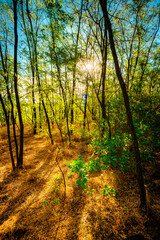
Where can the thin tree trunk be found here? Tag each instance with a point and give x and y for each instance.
(20, 156)
(127, 105)
(41, 100)
(6, 78)
(34, 108)
(74, 68)
(8, 131)
(53, 112)
(32, 60)
(66, 106)
(48, 122)
(103, 76)
(85, 106)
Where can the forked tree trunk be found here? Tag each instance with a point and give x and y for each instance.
(127, 105)
(6, 78)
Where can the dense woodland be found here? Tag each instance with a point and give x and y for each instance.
(79, 100)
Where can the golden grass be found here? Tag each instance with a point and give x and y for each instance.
(32, 204)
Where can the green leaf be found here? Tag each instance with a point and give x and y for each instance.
(57, 201)
(103, 167)
(79, 182)
(45, 203)
(103, 191)
(113, 164)
(85, 180)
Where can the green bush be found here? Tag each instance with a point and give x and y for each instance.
(114, 151)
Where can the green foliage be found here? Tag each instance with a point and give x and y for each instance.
(108, 191)
(93, 165)
(45, 203)
(55, 192)
(83, 168)
(80, 167)
(144, 143)
(147, 115)
(57, 201)
(89, 191)
(114, 151)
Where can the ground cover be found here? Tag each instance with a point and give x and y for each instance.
(34, 203)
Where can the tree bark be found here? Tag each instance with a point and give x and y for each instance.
(74, 68)
(41, 99)
(6, 78)
(85, 106)
(32, 64)
(8, 131)
(127, 105)
(20, 156)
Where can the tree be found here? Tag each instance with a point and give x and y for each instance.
(127, 104)
(8, 105)
(41, 98)
(101, 39)
(8, 131)
(75, 63)
(32, 65)
(20, 156)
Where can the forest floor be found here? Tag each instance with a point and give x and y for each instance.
(32, 204)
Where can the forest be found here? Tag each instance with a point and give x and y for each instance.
(79, 119)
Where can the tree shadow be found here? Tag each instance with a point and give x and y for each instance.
(29, 182)
(137, 223)
(101, 227)
(75, 210)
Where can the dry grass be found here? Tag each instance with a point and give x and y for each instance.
(81, 216)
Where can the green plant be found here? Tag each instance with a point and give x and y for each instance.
(108, 191)
(114, 151)
(56, 188)
(145, 140)
(147, 114)
(83, 168)
(45, 203)
(80, 167)
(89, 191)
(57, 201)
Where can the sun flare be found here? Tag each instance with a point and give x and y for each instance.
(89, 66)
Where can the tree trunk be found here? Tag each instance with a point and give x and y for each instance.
(32, 61)
(48, 122)
(103, 77)
(34, 107)
(85, 106)
(127, 105)
(20, 156)
(8, 131)
(6, 78)
(41, 100)
(74, 68)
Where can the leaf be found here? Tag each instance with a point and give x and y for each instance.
(113, 164)
(79, 182)
(57, 201)
(103, 191)
(85, 180)
(103, 167)
(45, 203)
